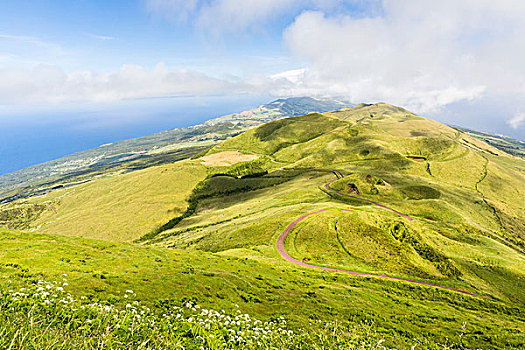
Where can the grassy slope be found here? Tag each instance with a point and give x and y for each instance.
(464, 199)
(254, 219)
(465, 226)
(261, 285)
(116, 208)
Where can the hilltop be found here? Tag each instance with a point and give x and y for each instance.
(369, 214)
(388, 156)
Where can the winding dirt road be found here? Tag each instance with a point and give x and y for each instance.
(368, 201)
(285, 255)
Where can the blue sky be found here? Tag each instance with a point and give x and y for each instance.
(104, 35)
(458, 62)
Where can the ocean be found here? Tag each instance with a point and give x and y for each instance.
(39, 134)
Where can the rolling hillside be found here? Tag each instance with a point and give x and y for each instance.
(369, 214)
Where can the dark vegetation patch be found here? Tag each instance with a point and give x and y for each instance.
(427, 169)
(400, 232)
(374, 180)
(416, 133)
(490, 152)
(20, 217)
(373, 190)
(351, 187)
(418, 192)
(254, 168)
(226, 185)
(218, 185)
(417, 158)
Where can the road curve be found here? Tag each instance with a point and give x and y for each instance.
(368, 201)
(337, 172)
(285, 255)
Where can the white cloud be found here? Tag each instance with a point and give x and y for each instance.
(294, 76)
(49, 84)
(101, 37)
(234, 16)
(172, 9)
(218, 17)
(420, 54)
(516, 121)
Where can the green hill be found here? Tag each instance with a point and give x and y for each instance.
(414, 216)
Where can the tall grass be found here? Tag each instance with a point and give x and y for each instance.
(45, 316)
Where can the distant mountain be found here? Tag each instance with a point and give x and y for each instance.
(158, 148)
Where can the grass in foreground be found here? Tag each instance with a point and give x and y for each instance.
(401, 314)
(44, 315)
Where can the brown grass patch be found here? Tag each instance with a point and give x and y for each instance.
(226, 158)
